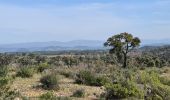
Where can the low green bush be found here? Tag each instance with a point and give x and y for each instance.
(5, 83)
(79, 93)
(42, 67)
(123, 90)
(12, 95)
(158, 92)
(156, 87)
(148, 77)
(63, 98)
(50, 82)
(165, 81)
(48, 96)
(85, 77)
(51, 96)
(3, 71)
(120, 75)
(88, 78)
(102, 80)
(25, 72)
(67, 74)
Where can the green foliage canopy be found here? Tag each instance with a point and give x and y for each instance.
(121, 44)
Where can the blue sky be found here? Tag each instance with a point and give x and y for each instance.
(65, 20)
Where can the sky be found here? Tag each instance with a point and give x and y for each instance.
(66, 20)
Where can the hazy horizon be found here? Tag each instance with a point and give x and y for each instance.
(145, 41)
(24, 21)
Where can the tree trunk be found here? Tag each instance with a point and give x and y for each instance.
(125, 60)
(125, 56)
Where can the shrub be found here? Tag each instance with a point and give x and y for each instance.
(25, 72)
(101, 81)
(3, 71)
(86, 77)
(165, 81)
(120, 75)
(12, 95)
(4, 81)
(42, 67)
(161, 90)
(50, 82)
(4, 87)
(157, 97)
(63, 98)
(123, 90)
(79, 93)
(67, 73)
(157, 87)
(148, 77)
(48, 96)
(51, 96)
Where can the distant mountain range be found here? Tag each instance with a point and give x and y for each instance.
(71, 45)
(157, 42)
(53, 46)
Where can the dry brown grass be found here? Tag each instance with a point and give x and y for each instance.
(166, 72)
(29, 87)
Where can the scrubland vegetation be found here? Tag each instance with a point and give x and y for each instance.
(86, 75)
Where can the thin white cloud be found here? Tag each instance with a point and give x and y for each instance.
(84, 21)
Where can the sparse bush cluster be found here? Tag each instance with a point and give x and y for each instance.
(51, 96)
(150, 61)
(123, 90)
(50, 82)
(42, 67)
(5, 82)
(88, 78)
(25, 72)
(142, 85)
(67, 74)
(79, 93)
(48, 96)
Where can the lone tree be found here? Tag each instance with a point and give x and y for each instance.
(121, 44)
